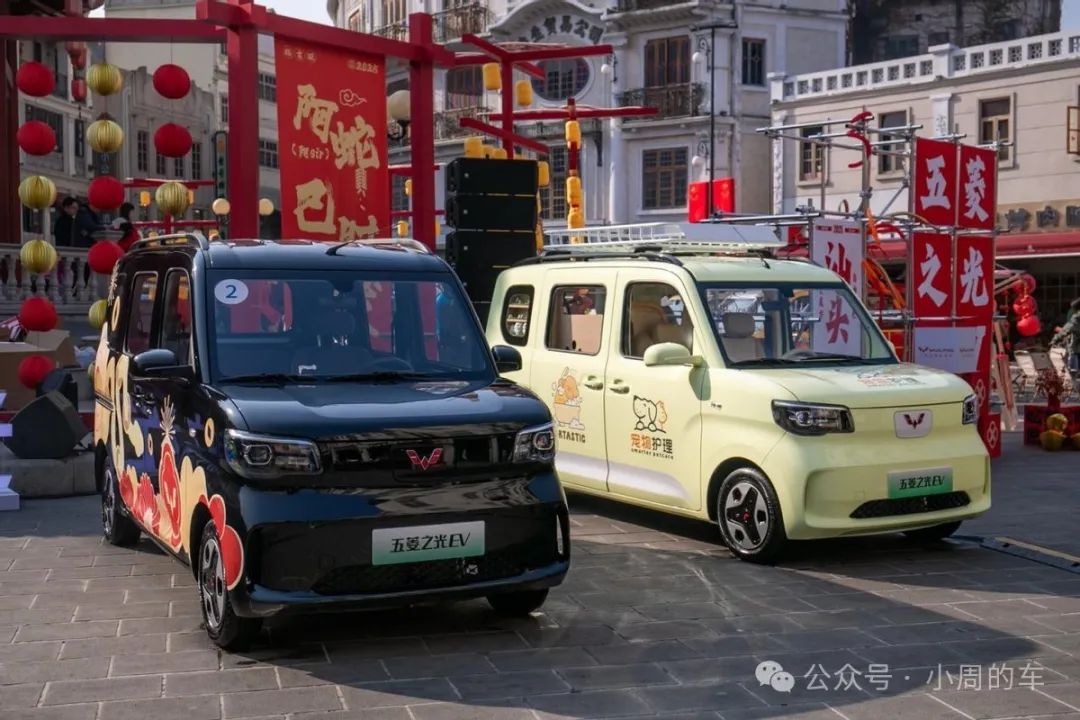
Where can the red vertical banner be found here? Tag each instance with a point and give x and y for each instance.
(332, 154)
(723, 191)
(974, 286)
(935, 170)
(978, 188)
(932, 275)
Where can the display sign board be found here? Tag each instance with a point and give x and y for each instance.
(837, 245)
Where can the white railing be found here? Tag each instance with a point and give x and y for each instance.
(944, 61)
(71, 285)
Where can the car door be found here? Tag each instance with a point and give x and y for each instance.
(653, 414)
(569, 355)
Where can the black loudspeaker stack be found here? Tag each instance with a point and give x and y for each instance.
(48, 428)
(60, 381)
(491, 204)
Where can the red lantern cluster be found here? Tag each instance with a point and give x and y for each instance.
(172, 81)
(34, 369)
(38, 315)
(172, 140)
(105, 193)
(35, 79)
(1025, 307)
(103, 256)
(36, 138)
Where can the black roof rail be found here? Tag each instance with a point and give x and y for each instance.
(196, 239)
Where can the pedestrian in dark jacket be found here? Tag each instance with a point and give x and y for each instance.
(64, 229)
(1068, 336)
(87, 223)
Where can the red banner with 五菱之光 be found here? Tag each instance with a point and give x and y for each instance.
(332, 155)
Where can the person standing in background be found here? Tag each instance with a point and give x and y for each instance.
(64, 228)
(87, 224)
(123, 224)
(1068, 336)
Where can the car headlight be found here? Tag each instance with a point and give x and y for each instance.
(259, 457)
(535, 444)
(812, 419)
(971, 409)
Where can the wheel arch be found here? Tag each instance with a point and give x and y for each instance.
(722, 471)
(101, 455)
(199, 517)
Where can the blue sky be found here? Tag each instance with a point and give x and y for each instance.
(1070, 14)
(314, 10)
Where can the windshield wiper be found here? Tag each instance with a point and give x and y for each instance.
(383, 376)
(756, 362)
(276, 378)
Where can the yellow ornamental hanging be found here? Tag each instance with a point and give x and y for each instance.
(573, 190)
(492, 77)
(408, 187)
(573, 132)
(172, 198)
(438, 227)
(105, 136)
(402, 228)
(575, 219)
(96, 316)
(543, 171)
(38, 257)
(474, 147)
(104, 79)
(37, 192)
(498, 153)
(523, 91)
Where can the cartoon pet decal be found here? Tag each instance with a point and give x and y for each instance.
(567, 403)
(651, 416)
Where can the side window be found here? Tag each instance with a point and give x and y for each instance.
(576, 319)
(176, 319)
(116, 309)
(654, 313)
(141, 313)
(517, 309)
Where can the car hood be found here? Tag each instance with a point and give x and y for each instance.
(342, 411)
(872, 386)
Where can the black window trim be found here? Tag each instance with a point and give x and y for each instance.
(190, 359)
(552, 306)
(154, 310)
(513, 289)
(624, 329)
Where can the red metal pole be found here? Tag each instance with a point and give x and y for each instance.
(507, 68)
(10, 211)
(243, 52)
(422, 111)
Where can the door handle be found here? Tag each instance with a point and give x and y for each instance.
(593, 383)
(619, 387)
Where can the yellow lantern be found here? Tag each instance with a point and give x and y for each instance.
(97, 314)
(573, 132)
(573, 190)
(144, 199)
(544, 173)
(37, 192)
(172, 198)
(575, 219)
(524, 92)
(105, 136)
(539, 237)
(38, 257)
(438, 227)
(220, 206)
(191, 198)
(266, 207)
(488, 150)
(492, 76)
(474, 147)
(498, 153)
(402, 228)
(408, 187)
(104, 79)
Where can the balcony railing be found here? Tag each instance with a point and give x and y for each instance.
(449, 24)
(448, 122)
(625, 6)
(671, 101)
(71, 285)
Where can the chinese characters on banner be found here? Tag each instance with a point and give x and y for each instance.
(332, 156)
(838, 246)
(975, 278)
(936, 181)
(978, 191)
(932, 275)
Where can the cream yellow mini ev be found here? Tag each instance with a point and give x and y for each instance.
(690, 372)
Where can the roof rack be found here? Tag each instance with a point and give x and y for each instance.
(667, 238)
(194, 238)
(399, 243)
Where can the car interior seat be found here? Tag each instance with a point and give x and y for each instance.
(645, 318)
(329, 353)
(739, 341)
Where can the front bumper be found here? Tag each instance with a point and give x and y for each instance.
(835, 488)
(312, 550)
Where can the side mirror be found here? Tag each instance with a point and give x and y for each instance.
(507, 359)
(160, 363)
(668, 354)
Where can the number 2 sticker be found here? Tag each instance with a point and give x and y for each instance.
(231, 292)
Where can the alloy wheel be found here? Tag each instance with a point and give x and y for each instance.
(108, 502)
(212, 582)
(746, 516)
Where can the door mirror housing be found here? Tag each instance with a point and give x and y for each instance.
(668, 354)
(507, 359)
(160, 363)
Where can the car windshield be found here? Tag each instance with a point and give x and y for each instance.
(791, 325)
(288, 326)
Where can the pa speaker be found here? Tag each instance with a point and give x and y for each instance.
(492, 212)
(478, 258)
(481, 176)
(60, 381)
(48, 428)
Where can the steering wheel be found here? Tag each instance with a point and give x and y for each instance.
(391, 364)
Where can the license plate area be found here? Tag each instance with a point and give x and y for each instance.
(423, 543)
(917, 483)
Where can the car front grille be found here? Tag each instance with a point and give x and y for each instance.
(911, 506)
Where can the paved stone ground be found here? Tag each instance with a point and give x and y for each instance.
(655, 620)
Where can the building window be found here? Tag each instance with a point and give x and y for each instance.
(464, 87)
(178, 167)
(49, 54)
(31, 223)
(994, 125)
(663, 178)
(399, 201)
(899, 46)
(553, 197)
(224, 109)
(142, 150)
(196, 161)
(53, 120)
(358, 21)
(753, 62)
(810, 155)
(159, 161)
(394, 11)
(267, 87)
(80, 138)
(892, 163)
(938, 38)
(563, 78)
(667, 62)
(268, 154)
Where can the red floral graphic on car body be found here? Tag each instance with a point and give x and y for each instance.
(146, 506)
(232, 551)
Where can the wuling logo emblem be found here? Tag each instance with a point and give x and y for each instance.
(425, 463)
(913, 424)
(914, 420)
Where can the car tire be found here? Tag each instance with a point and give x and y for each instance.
(226, 629)
(116, 525)
(748, 514)
(521, 603)
(933, 533)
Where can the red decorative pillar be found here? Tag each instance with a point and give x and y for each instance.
(243, 53)
(507, 96)
(422, 101)
(10, 209)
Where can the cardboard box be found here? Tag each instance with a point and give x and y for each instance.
(56, 343)
(11, 354)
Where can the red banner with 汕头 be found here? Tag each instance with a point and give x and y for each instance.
(332, 156)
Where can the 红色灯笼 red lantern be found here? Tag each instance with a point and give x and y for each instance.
(172, 140)
(1028, 326)
(172, 81)
(38, 315)
(103, 256)
(35, 79)
(36, 138)
(34, 369)
(105, 193)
